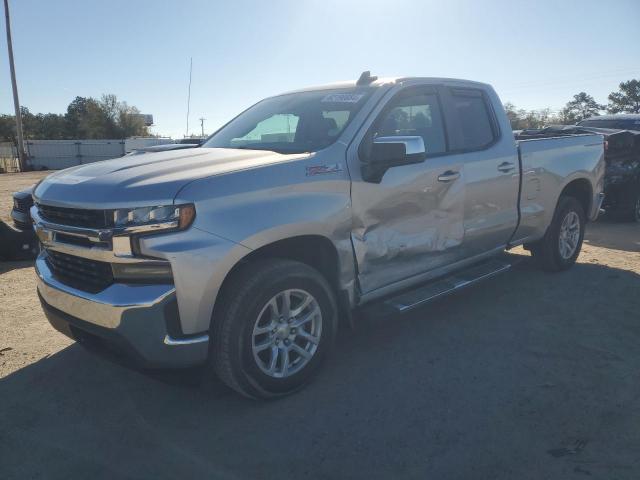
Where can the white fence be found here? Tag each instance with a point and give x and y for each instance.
(8, 157)
(58, 154)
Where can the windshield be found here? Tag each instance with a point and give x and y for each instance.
(293, 123)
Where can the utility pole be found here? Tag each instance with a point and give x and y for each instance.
(188, 94)
(202, 125)
(22, 158)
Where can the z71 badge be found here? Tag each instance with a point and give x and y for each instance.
(322, 169)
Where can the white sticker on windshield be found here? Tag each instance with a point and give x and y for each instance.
(342, 98)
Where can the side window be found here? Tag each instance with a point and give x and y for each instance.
(413, 113)
(475, 122)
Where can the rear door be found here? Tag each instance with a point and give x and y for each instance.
(412, 220)
(491, 170)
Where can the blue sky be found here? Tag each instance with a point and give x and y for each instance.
(536, 54)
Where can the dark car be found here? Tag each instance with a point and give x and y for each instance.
(19, 243)
(22, 203)
(164, 148)
(622, 159)
(191, 141)
(623, 121)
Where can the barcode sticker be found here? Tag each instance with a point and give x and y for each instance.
(342, 98)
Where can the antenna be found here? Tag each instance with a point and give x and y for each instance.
(366, 78)
(189, 94)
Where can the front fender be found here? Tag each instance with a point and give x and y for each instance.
(255, 208)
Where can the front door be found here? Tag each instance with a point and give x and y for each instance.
(412, 221)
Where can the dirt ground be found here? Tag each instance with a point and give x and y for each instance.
(526, 376)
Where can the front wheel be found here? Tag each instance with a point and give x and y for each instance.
(559, 248)
(275, 325)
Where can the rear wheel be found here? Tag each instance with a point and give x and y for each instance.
(275, 325)
(629, 213)
(561, 244)
(634, 215)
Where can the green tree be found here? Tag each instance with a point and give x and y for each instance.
(7, 128)
(512, 115)
(582, 106)
(627, 100)
(85, 117)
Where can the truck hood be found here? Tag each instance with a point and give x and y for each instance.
(150, 179)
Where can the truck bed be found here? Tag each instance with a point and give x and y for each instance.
(547, 164)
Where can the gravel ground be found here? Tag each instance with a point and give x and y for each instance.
(526, 376)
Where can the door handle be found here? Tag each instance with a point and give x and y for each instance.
(506, 167)
(449, 176)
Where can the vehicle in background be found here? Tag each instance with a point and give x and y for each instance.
(620, 121)
(19, 242)
(163, 148)
(246, 252)
(191, 141)
(137, 143)
(622, 160)
(20, 214)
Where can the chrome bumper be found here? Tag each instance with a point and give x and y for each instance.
(136, 317)
(21, 219)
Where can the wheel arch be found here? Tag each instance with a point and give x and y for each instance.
(317, 251)
(580, 189)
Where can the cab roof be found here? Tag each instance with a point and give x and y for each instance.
(384, 81)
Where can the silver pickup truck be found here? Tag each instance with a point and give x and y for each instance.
(245, 253)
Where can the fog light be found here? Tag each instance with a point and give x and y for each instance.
(143, 272)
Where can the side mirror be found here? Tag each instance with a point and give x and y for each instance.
(388, 152)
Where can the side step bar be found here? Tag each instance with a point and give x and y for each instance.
(439, 288)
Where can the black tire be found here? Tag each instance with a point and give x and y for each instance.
(546, 251)
(243, 298)
(633, 214)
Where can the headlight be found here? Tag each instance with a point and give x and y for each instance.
(168, 217)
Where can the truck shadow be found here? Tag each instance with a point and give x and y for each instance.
(461, 382)
(9, 266)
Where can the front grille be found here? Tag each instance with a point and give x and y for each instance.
(77, 217)
(87, 275)
(23, 204)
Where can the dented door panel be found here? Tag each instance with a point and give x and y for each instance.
(407, 224)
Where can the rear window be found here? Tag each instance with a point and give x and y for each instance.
(475, 120)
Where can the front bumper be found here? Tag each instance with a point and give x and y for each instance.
(137, 319)
(22, 220)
